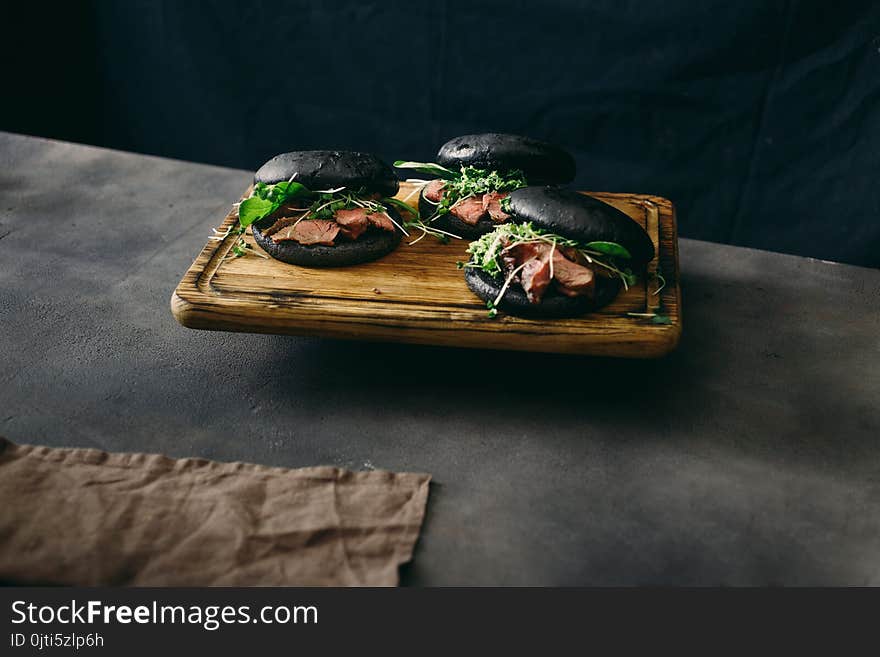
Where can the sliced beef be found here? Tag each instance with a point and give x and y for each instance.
(347, 224)
(514, 256)
(534, 257)
(573, 254)
(309, 231)
(353, 223)
(571, 278)
(434, 190)
(492, 205)
(470, 210)
(283, 222)
(535, 278)
(381, 220)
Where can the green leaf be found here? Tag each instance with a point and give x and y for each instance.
(254, 209)
(609, 248)
(291, 189)
(427, 167)
(400, 205)
(267, 199)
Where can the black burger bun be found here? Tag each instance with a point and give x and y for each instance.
(542, 163)
(372, 245)
(319, 170)
(552, 305)
(582, 218)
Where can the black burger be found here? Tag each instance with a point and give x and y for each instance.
(562, 254)
(475, 174)
(324, 208)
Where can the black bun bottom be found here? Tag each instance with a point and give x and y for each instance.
(452, 224)
(515, 302)
(372, 245)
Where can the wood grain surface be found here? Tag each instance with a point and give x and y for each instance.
(417, 294)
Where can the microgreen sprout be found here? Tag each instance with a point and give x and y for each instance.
(415, 222)
(658, 316)
(662, 283)
(240, 247)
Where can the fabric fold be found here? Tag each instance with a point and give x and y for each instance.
(91, 518)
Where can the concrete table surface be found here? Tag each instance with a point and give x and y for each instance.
(751, 455)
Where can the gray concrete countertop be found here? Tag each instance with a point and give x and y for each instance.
(751, 455)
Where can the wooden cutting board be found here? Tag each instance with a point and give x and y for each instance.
(417, 294)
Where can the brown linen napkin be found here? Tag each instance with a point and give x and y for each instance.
(86, 517)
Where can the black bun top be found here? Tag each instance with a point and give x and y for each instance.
(330, 169)
(542, 163)
(581, 218)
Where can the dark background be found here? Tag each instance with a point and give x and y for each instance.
(761, 120)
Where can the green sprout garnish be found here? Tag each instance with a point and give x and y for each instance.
(240, 247)
(415, 223)
(658, 315)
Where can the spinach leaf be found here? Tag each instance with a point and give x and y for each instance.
(267, 199)
(609, 248)
(289, 189)
(254, 209)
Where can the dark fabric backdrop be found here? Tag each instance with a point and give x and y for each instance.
(761, 120)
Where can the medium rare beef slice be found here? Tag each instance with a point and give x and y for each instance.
(534, 258)
(572, 279)
(434, 190)
(309, 231)
(492, 205)
(353, 223)
(381, 220)
(535, 278)
(283, 222)
(469, 210)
